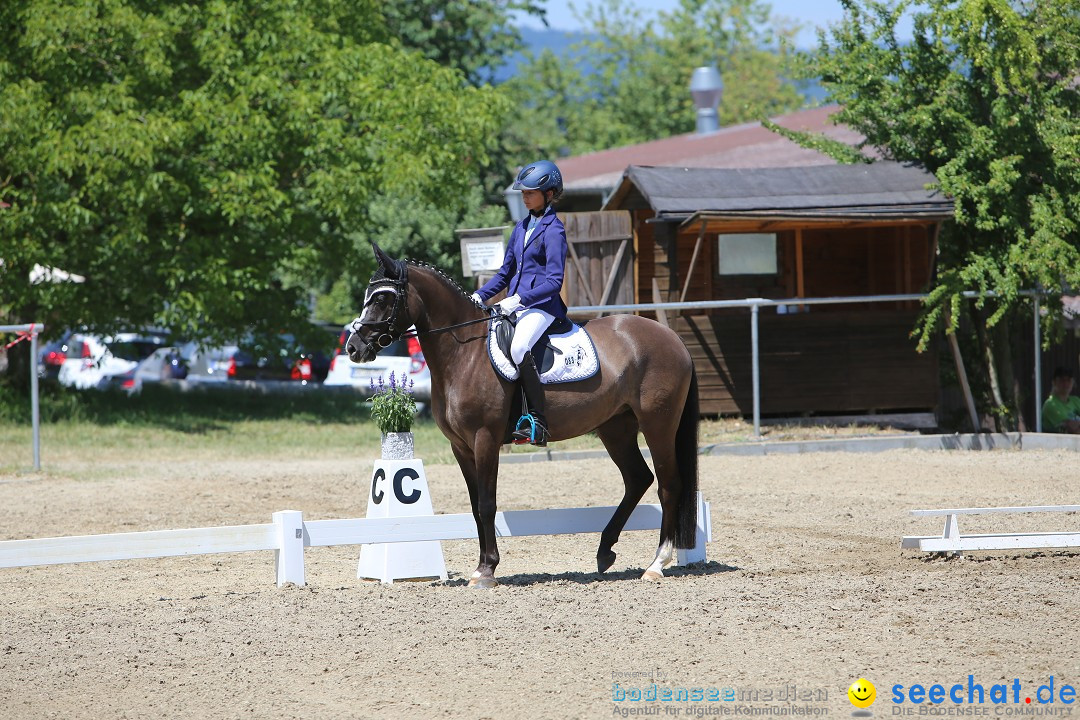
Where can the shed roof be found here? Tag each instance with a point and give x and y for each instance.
(884, 190)
(737, 146)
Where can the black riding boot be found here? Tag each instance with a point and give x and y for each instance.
(534, 393)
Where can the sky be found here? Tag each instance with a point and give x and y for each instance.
(811, 13)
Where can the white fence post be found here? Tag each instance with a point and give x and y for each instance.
(289, 555)
(702, 534)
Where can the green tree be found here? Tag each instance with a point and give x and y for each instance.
(473, 36)
(986, 97)
(204, 166)
(630, 83)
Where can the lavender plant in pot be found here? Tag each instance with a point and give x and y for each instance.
(394, 409)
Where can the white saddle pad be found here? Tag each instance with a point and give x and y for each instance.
(574, 356)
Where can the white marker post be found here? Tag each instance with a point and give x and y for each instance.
(399, 489)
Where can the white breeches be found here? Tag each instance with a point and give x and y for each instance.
(531, 324)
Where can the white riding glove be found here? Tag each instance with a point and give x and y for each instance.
(475, 297)
(509, 305)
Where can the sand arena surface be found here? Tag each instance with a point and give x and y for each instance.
(806, 585)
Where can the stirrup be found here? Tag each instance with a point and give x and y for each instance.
(529, 430)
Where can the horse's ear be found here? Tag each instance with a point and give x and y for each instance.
(388, 264)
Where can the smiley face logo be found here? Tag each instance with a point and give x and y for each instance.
(862, 693)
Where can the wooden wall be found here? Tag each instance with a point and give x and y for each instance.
(823, 363)
(827, 359)
(883, 260)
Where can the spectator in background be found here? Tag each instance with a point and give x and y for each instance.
(1061, 411)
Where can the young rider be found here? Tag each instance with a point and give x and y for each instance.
(532, 275)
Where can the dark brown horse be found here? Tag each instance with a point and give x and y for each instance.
(646, 382)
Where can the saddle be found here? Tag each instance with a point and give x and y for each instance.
(564, 353)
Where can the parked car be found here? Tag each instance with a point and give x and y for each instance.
(403, 357)
(91, 359)
(289, 361)
(51, 357)
(209, 364)
(164, 363)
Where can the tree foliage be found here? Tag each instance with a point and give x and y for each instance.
(629, 83)
(473, 36)
(986, 97)
(204, 166)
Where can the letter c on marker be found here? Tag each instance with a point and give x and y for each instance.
(376, 494)
(399, 491)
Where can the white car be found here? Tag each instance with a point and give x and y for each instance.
(402, 357)
(91, 360)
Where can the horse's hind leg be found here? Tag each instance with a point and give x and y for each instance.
(619, 436)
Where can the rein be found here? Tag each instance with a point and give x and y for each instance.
(433, 331)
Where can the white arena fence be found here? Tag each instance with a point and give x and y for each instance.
(289, 534)
(952, 541)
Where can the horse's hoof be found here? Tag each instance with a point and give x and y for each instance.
(484, 583)
(652, 575)
(604, 561)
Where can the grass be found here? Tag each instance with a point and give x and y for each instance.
(214, 423)
(206, 424)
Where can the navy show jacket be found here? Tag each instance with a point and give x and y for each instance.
(534, 272)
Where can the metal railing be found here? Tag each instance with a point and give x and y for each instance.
(32, 331)
(755, 305)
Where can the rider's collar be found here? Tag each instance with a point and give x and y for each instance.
(547, 210)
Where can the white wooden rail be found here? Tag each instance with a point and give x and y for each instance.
(289, 534)
(953, 542)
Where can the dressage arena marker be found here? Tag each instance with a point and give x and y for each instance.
(952, 541)
(399, 489)
(289, 534)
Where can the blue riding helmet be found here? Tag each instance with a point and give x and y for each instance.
(542, 175)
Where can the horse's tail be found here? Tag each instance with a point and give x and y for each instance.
(686, 455)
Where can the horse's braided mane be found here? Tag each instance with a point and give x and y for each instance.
(446, 278)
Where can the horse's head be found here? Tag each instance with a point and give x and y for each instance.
(385, 315)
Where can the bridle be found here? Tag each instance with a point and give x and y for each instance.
(388, 333)
(387, 327)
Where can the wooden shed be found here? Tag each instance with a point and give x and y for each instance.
(691, 234)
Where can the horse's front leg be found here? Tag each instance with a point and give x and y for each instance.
(486, 455)
(466, 460)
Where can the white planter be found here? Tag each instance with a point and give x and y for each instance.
(397, 446)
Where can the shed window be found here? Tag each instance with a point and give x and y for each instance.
(747, 254)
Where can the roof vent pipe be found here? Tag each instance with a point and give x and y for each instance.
(706, 88)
